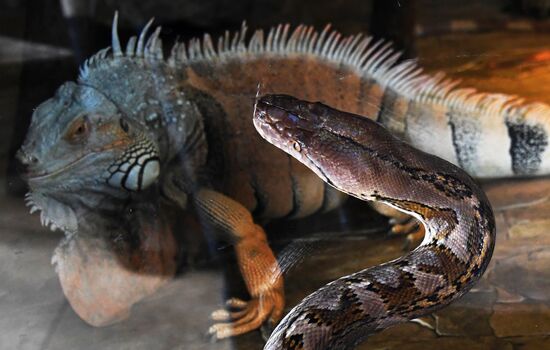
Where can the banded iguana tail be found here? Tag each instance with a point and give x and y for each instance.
(137, 122)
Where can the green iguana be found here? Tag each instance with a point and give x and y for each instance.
(139, 124)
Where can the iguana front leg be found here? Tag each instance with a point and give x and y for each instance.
(257, 264)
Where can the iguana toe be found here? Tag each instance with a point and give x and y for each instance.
(247, 316)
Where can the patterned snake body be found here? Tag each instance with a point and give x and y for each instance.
(359, 157)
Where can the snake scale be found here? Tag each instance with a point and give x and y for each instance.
(361, 158)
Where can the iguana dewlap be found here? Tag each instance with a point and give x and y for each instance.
(138, 122)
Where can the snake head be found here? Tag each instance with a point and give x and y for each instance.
(293, 125)
(322, 138)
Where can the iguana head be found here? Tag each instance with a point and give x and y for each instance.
(80, 142)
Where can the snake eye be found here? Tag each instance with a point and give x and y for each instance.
(78, 131)
(124, 125)
(296, 146)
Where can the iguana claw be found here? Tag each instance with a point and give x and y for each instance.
(241, 316)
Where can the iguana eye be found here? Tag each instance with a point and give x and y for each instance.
(78, 131)
(124, 125)
(296, 146)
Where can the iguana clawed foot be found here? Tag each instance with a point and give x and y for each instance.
(241, 316)
(402, 224)
(412, 228)
(259, 268)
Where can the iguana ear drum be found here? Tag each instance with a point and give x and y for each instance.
(137, 169)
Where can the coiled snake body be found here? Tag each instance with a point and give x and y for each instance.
(358, 156)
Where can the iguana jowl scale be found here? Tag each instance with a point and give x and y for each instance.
(97, 142)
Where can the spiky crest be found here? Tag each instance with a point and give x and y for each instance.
(373, 60)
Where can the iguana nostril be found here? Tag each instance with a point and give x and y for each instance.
(24, 162)
(26, 159)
